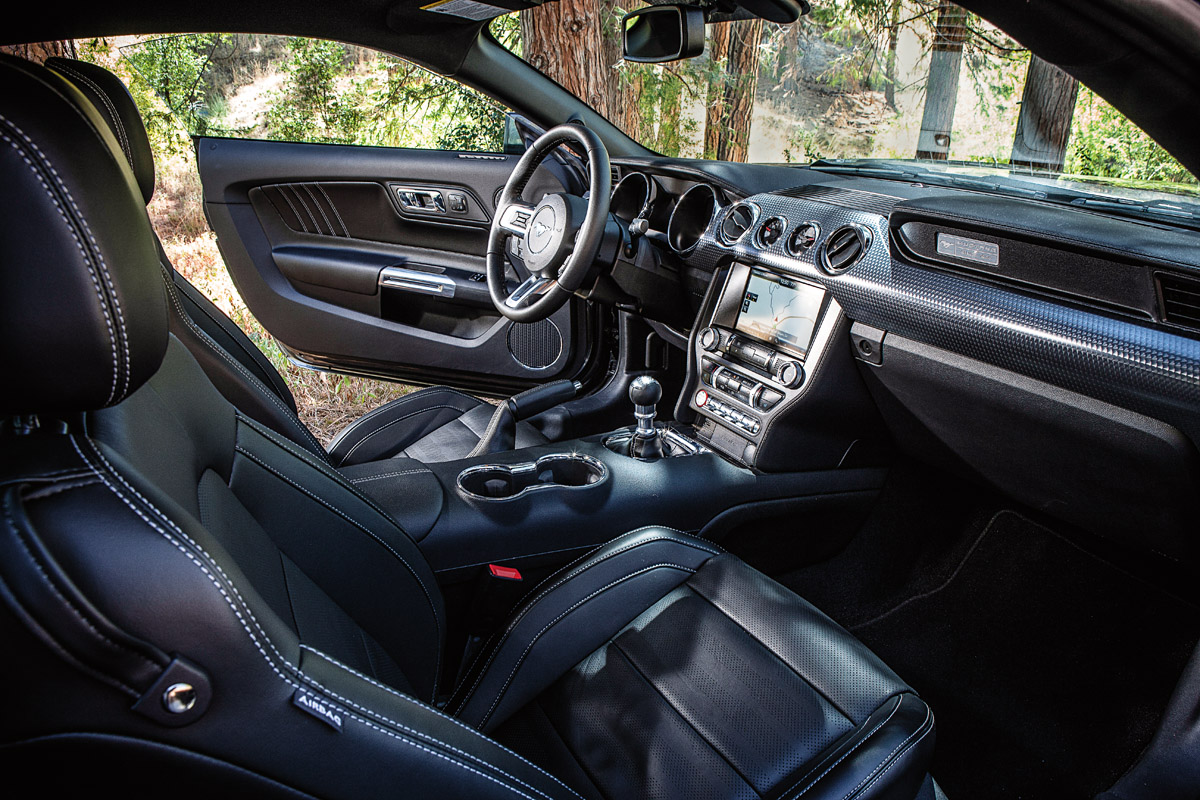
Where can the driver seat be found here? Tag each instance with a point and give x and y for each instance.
(430, 425)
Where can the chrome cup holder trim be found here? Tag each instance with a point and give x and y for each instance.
(530, 470)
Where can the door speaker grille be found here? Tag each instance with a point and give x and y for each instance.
(536, 345)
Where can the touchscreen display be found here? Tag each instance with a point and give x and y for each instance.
(780, 311)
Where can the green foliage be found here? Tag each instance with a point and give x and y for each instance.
(802, 147)
(315, 105)
(173, 68)
(1105, 144)
(329, 93)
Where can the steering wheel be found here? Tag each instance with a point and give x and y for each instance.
(561, 235)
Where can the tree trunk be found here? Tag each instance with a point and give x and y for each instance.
(714, 113)
(742, 70)
(889, 89)
(1044, 125)
(40, 51)
(941, 90)
(576, 43)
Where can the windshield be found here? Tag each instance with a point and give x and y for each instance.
(923, 84)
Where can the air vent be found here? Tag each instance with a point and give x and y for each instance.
(1180, 300)
(844, 248)
(616, 174)
(739, 220)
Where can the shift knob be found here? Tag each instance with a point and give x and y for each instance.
(645, 391)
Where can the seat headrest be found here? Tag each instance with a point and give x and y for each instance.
(110, 97)
(83, 309)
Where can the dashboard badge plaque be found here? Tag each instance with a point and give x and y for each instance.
(965, 249)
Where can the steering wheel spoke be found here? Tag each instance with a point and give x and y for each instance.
(532, 286)
(561, 235)
(514, 218)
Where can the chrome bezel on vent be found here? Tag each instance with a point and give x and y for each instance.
(865, 237)
(797, 252)
(754, 214)
(758, 232)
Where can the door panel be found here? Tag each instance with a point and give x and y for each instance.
(370, 260)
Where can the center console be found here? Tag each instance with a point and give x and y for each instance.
(764, 335)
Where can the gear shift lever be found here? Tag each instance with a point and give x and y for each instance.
(644, 393)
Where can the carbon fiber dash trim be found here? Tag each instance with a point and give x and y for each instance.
(1120, 361)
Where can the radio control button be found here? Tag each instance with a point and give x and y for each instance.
(769, 399)
(709, 339)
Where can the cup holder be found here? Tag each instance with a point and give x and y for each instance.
(510, 481)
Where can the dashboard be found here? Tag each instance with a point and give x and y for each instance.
(1053, 352)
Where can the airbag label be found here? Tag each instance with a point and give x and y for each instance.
(320, 709)
(966, 249)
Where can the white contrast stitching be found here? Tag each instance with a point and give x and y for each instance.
(537, 594)
(116, 647)
(870, 781)
(108, 322)
(300, 676)
(844, 755)
(328, 224)
(291, 205)
(437, 622)
(389, 424)
(424, 707)
(307, 210)
(118, 125)
(390, 475)
(521, 660)
(393, 404)
(258, 385)
(323, 468)
(329, 200)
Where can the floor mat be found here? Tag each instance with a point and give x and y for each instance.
(1047, 668)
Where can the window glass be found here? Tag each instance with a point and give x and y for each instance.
(311, 90)
(880, 79)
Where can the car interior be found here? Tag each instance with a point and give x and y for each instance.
(727, 480)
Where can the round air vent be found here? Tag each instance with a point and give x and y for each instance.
(844, 248)
(739, 220)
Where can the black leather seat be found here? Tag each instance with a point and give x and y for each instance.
(192, 604)
(435, 424)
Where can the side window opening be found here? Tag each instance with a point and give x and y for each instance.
(311, 90)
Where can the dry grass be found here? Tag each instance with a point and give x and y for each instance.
(327, 402)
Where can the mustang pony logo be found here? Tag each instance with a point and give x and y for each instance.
(540, 229)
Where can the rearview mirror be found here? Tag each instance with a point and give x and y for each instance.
(663, 33)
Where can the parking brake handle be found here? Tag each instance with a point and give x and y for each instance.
(501, 433)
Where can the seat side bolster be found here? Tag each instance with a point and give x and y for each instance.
(571, 615)
(241, 387)
(885, 757)
(381, 433)
(222, 329)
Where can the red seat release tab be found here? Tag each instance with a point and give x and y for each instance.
(507, 573)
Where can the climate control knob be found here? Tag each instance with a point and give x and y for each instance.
(709, 339)
(790, 374)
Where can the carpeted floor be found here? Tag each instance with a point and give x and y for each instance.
(1047, 667)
